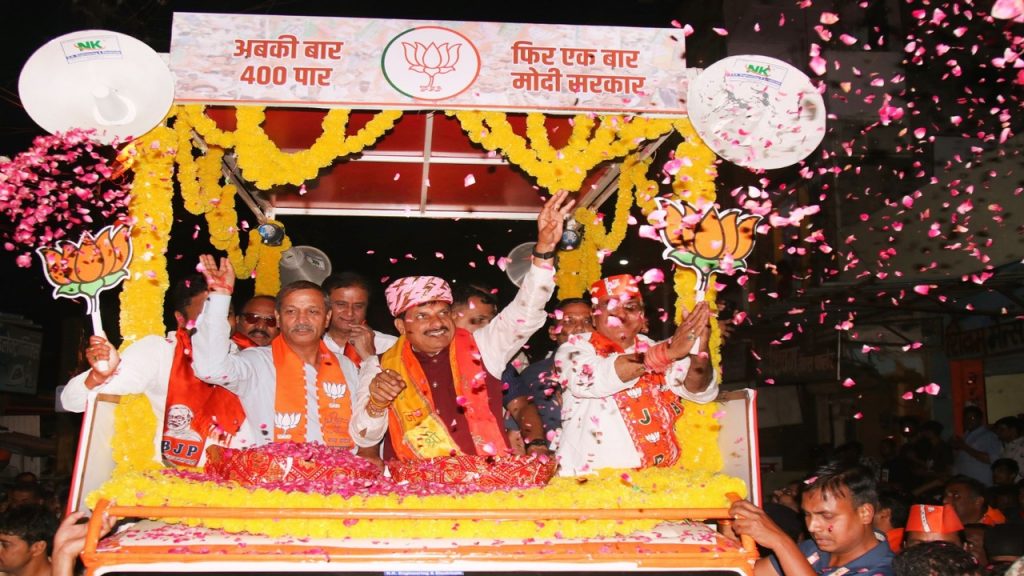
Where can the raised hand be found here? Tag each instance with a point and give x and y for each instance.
(551, 220)
(695, 325)
(220, 278)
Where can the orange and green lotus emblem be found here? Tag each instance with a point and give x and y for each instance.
(83, 270)
(706, 243)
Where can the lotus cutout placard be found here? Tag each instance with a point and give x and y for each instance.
(83, 269)
(706, 242)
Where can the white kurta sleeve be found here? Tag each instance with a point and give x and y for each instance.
(676, 373)
(135, 374)
(212, 359)
(365, 430)
(584, 373)
(75, 395)
(512, 327)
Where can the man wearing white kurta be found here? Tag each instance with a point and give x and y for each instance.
(252, 374)
(144, 367)
(619, 402)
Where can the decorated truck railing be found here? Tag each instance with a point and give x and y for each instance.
(198, 528)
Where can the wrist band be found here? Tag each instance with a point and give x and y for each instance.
(375, 410)
(543, 255)
(537, 442)
(656, 359)
(220, 285)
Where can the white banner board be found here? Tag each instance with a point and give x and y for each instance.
(376, 64)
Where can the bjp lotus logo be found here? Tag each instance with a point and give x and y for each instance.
(334, 390)
(286, 420)
(706, 243)
(431, 60)
(447, 58)
(94, 264)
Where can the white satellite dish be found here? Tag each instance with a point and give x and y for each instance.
(520, 259)
(304, 263)
(756, 111)
(97, 79)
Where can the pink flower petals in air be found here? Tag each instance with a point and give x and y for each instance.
(1008, 10)
(654, 276)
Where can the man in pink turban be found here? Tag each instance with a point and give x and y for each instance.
(437, 391)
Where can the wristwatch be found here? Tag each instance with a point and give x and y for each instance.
(537, 442)
(543, 255)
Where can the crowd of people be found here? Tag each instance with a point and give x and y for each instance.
(303, 366)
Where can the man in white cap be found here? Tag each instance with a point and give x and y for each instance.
(437, 391)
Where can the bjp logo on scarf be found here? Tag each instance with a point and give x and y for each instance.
(286, 421)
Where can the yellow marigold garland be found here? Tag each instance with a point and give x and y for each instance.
(580, 268)
(565, 168)
(695, 183)
(138, 484)
(199, 180)
(266, 166)
(134, 427)
(205, 126)
(150, 209)
(697, 430)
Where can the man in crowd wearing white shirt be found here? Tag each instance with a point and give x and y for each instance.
(161, 368)
(437, 390)
(295, 390)
(348, 334)
(621, 390)
(975, 451)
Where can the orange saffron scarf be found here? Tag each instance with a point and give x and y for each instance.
(415, 429)
(242, 341)
(649, 409)
(351, 354)
(333, 397)
(197, 410)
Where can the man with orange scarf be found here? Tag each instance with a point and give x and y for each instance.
(190, 413)
(295, 389)
(437, 391)
(622, 391)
